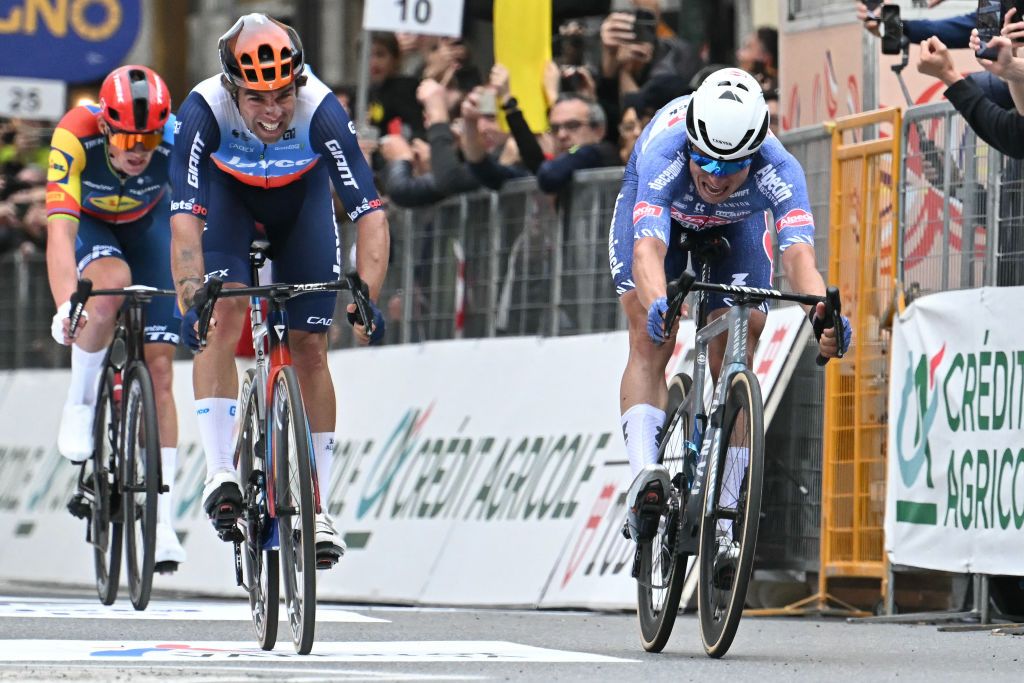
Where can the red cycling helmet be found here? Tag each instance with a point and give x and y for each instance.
(135, 103)
(260, 53)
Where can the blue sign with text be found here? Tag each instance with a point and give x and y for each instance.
(77, 41)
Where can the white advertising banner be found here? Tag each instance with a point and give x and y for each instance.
(955, 497)
(467, 472)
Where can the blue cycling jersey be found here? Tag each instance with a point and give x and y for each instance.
(665, 190)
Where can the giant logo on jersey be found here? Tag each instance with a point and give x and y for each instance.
(642, 210)
(115, 203)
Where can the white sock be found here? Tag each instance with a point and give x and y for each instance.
(323, 454)
(85, 373)
(168, 467)
(640, 427)
(736, 461)
(216, 417)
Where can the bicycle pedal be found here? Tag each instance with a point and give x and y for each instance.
(230, 534)
(635, 571)
(80, 506)
(165, 567)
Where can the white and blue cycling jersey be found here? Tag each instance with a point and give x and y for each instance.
(659, 198)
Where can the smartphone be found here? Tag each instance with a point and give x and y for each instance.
(645, 27)
(872, 5)
(892, 30)
(488, 102)
(572, 81)
(988, 21)
(1007, 5)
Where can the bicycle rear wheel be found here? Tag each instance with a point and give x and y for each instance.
(294, 501)
(105, 530)
(662, 568)
(260, 565)
(729, 533)
(140, 480)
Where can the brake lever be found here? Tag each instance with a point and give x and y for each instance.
(213, 288)
(363, 314)
(833, 313)
(676, 294)
(78, 299)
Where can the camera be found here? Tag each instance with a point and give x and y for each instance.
(645, 27)
(892, 30)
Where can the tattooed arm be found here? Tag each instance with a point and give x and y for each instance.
(186, 257)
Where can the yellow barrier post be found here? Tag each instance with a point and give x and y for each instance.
(864, 210)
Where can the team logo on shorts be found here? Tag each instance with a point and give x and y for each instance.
(796, 218)
(643, 210)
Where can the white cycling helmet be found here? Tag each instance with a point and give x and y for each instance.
(727, 117)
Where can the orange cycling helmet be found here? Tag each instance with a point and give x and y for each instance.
(261, 53)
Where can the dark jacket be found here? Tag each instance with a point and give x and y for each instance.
(1002, 128)
(556, 174)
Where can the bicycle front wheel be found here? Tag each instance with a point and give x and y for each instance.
(662, 568)
(261, 566)
(105, 527)
(733, 507)
(293, 499)
(140, 480)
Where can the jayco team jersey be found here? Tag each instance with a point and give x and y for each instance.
(211, 137)
(665, 190)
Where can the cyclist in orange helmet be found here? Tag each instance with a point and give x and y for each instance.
(262, 143)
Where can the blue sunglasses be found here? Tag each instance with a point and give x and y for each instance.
(719, 168)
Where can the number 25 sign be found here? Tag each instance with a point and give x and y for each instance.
(432, 17)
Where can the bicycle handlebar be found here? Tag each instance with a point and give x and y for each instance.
(78, 299)
(352, 282)
(84, 292)
(678, 289)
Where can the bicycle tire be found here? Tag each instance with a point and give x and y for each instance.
(262, 580)
(140, 480)
(657, 607)
(722, 588)
(105, 531)
(293, 498)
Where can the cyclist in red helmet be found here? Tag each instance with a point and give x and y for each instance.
(262, 142)
(107, 204)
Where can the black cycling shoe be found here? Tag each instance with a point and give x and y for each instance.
(224, 506)
(80, 506)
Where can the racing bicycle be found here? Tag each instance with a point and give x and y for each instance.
(714, 455)
(119, 484)
(274, 460)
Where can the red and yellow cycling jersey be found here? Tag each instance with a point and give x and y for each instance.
(80, 178)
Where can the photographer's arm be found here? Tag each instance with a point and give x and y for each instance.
(1001, 128)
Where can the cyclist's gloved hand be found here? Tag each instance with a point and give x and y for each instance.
(378, 325)
(190, 321)
(818, 324)
(60, 324)
(656, 320)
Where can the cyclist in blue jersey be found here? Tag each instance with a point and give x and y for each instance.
(704, 161)
(261, 143)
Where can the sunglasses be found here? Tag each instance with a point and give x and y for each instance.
(716, 167)
(127, 141)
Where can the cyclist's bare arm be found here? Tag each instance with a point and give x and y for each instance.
(373, 242)
(186, 256)
(798, 261)
(61, 269)
(649, 269)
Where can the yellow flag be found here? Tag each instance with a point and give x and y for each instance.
(522, 42)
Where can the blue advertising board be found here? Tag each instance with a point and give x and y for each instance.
(77, 41)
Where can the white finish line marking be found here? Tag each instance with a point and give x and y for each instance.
(231, 651)
(161, 610)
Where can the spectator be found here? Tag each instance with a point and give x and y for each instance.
(953, 32)
(660, 68)
(630, 128)
(450, 173)
(578, 125)
(393, 105)
(759, 56)
(483, 141)
(408, 181)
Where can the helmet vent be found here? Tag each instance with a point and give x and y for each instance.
(265, 53)
(727, 95)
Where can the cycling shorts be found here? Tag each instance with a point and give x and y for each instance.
(145, 245)
(298, 221)
(749, 262)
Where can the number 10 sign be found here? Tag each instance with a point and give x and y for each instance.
(433, 17)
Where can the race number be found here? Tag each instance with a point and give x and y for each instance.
(32, 98)
(433, 17)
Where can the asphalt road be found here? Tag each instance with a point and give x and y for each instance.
(65, 634)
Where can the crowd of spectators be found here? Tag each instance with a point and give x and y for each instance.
(24, 148)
